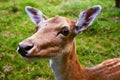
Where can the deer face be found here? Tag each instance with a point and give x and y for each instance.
(54, 36)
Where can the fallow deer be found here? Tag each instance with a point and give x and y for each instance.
(55, 40)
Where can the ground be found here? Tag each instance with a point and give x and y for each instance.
(100, 42)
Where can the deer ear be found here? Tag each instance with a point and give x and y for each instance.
(35, 15)
(86, 18)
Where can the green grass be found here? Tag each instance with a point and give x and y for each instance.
(100, 42)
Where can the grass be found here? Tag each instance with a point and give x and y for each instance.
(100, 42)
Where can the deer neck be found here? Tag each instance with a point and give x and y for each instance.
(67, 67)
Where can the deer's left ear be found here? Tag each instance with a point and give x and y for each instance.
(86, 18)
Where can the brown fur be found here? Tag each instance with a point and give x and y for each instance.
(47, 44)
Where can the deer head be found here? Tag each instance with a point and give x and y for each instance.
(54, 36)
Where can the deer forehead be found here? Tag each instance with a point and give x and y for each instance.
(55, 23)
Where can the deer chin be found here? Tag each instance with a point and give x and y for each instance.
(28, 58)
(33, 58)
(39, 55)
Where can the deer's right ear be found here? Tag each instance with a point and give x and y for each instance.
(35, 15)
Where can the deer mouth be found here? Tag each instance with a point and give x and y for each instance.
(30, 53)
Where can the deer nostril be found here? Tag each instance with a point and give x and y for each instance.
(27, 48)
(23, 50)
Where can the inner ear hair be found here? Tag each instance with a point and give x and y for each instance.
(45, 17)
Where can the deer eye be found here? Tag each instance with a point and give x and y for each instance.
(64, 31)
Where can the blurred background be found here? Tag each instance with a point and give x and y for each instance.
(100, 42)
